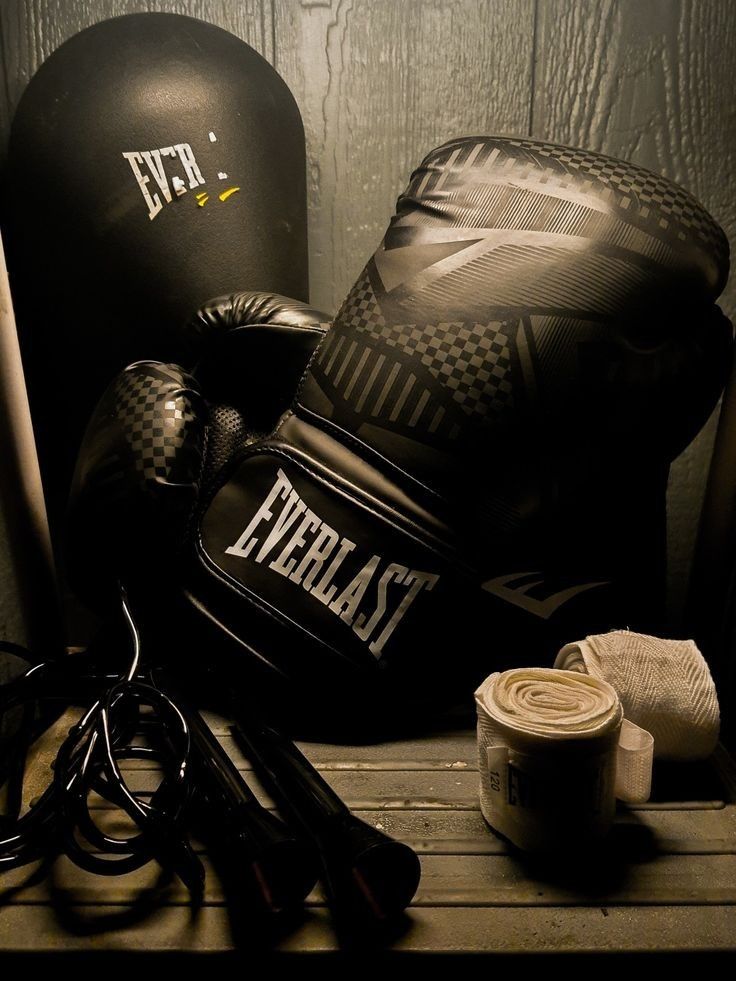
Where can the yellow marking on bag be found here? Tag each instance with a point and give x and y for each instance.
(226, 194)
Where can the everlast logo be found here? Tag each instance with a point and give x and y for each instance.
(307, 551)
(153, 162)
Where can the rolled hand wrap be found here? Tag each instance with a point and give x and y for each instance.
(665, 686)
(549, 757)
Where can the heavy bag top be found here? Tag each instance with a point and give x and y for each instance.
(155, 160)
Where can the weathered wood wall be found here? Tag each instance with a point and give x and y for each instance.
(380, 82)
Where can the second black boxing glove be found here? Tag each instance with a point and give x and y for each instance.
(474, 467)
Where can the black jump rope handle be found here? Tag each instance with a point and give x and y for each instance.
(364, 870)
(282, 868)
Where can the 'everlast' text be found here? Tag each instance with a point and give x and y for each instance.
(311, 557)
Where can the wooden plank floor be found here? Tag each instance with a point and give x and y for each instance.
(664, 882)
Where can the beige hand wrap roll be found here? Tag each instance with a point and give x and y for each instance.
(548, 743)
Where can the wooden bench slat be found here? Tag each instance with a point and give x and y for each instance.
(447, 880)
(36, 929)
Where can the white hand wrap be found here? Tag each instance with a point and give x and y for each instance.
(665, 687)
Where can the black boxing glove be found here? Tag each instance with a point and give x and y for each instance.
(474, 466)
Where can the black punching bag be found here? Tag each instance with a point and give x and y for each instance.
(155, 161)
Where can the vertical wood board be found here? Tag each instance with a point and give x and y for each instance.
(653, 82)
(380, 83)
